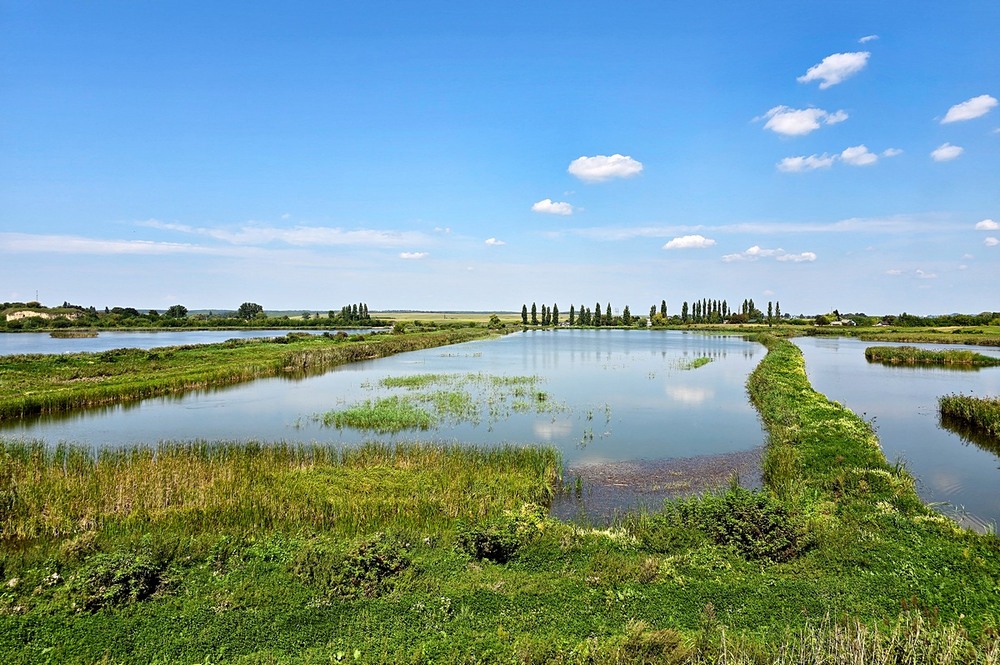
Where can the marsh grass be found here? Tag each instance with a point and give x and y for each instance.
(428, 400)
(245, 487)
(981, 414)
(911, 355)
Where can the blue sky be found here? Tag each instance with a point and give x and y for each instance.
(483, 155)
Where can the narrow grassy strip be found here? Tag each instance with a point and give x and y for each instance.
(911, 355)
(201, 487)
(980, 413)
(387, 414)
(37, 384)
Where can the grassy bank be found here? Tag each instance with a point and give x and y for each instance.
(236, 553)
(911, 355)
(36, 384)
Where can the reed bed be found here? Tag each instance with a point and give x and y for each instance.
(911, 355)
(37, 384)
(220, 487)
(982, 414)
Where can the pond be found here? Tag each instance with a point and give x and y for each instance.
(902, 403)
(42, 342)
(618, 405)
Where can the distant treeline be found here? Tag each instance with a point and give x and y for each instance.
(33, 315)
(706, 310)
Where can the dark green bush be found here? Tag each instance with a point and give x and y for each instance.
(367, 569)
(116, 578)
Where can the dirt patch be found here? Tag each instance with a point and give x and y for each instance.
(597, 493)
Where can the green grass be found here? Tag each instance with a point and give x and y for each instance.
(980, 413)
(249, 553)
(911, 355)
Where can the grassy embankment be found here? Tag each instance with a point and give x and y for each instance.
(911, 355)
(36, 384)
(250, 554)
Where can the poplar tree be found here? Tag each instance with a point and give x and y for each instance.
(684, 311)
(663, 308)
(534, 315)
(572, 314)
(608, 320)
(555, 314)
(626, 316)
(770, 313)
(524, 314)
(597, 314)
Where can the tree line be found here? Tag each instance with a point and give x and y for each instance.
(705, 310)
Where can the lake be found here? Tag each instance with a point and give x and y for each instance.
(902, 403)
(617, 403)
(41, 342)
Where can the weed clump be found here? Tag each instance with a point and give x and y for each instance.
(113, 579)
(368, 569)
(499, 539)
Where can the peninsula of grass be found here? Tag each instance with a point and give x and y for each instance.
(911, 355)
(38, 384)
(249, 553)
(982, 414)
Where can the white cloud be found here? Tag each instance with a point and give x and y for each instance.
(836, 68)
(602, 167)
(987, 225)
(867, 38)
(27, 242)
(894, 272)
(797, 258)
(442, 229)
(859, 155)
(892, 152)
(493, 242)
(550, 207)
(799, 122)
(991, 242)
(303, 236)
(946, 152)
(413, 255)
(756, 252)
(925, 275)
(969, 109)
(810, 163)
(689, 242)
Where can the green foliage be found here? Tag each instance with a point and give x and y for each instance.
(368, 568)
(249, 310)
(979, 413)
(499, 539)
(911, 355)
(115, 578)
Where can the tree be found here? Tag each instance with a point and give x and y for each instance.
(663, 308)
(684, 311)
(176, 312)
(770, 313)
(534, 315)
(777, 309)
(608, 320)
(524, 314)
(652, 312)
(597, 314)
(555, 314)
(572, 314)
(626, 316)
(249, 310)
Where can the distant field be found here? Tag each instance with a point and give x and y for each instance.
(451, 317)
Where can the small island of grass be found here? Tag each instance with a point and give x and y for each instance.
(911, 355)
(982, 414)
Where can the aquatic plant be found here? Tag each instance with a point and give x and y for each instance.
(980, 413)
(911, 355)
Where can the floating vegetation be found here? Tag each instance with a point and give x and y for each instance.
(429, 400)
(73, 334)
(981, 414)
(911, 355)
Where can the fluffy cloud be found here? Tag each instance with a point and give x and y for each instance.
(892, 152)
(602, 167)
(689, 242)
(969, 109)
(946, 152)
(413, 255)
(756, 252)
(810, 163)
(799, 122)
(859, 155)
(987, 225)
(867, 38)
(836, 68)
(493, 242)
(991, 242)
(550, 207)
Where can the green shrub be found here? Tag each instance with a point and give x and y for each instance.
(367, 569)
(499, 539)
(111, 579)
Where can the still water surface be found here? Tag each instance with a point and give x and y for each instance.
(902, 401)
(41, 342)
(610, 396)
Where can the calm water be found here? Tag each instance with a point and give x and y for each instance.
(903, 403)
(31, 342)
(611, 396)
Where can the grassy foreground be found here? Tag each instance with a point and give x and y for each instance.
(251, 554)
(36, 384)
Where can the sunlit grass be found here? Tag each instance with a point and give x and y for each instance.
(980, 413)
(911, 355)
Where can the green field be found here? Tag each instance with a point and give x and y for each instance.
(261, 553)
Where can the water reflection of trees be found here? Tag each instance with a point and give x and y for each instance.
(970, 434)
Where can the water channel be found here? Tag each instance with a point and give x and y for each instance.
(632, 413)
